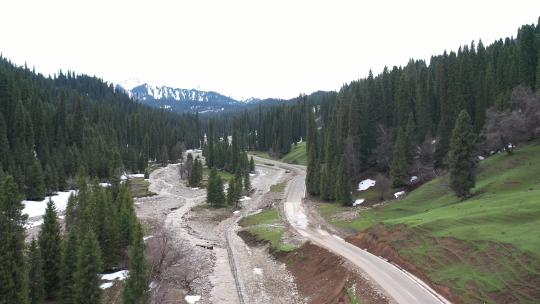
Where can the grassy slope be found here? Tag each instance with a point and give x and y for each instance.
(297, 155)
(265, 227)
(505, 209)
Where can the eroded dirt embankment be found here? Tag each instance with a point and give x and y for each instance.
(494, 257)
(320, 276)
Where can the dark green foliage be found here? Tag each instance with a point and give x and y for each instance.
(343, 184)
(51, 251)
(251, 165)
(35, 182)
(247, 182)
(312, 175)
(462, 156)
(14, 283)
(214, 191)
(127, 219)
(400, 165)
(70, 262)
(35, 277)
(231, 195)
(195, 177)
(135, 290)
(88, 270)
(69, 121)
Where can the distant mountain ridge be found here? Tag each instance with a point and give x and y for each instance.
(182, 100)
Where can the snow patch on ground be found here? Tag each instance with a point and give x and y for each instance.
(105, 185)
(413, 179)
(399, 194)
(152, 285)
(147, 237)
(366, 184)
(258, 271)
(106, 285)
(129, 176)
(480, 157)
(236, 212)
(252, 174)
(245, 198)
(358, 202)
(33, 224)
(35, 208)
(119, 275)
(192, 299)
(195, 188)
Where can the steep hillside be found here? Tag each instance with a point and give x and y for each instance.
(485, 249)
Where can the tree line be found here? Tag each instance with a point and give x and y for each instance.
(101, 233)
(51, 126)
(401, 122)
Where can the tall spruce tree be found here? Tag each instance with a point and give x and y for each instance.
(312, 175)
(343, 184)
(251, 165)
(88, 270)
(135, 290)
(399, 166)
(35, 182)
(50, 245)
(214, 191)
(35, 277)
(70, 263)
(14, 283)
(462, 156)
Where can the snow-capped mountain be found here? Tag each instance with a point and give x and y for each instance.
(181, 100)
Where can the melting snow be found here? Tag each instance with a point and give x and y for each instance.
(35, 208)
(399, 194)
(236, 212)
(480, 157)
(147, 237)
(128, 176)
(192, 299)
(413, 179)
(366, 184)
(245, 198)
(106, 285)
(33, 224)
(119, 275)
(152, 285)
(195, 188)
(358, 202)
(105, 185)
(257, 271)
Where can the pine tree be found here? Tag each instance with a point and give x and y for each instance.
(127, 218)
(399, 167)
(312, 180)
(214, 191)
(51, 252)
(70, 262)
(230, 192)
(251, 165)
(462, 159)
(14, 283)
(36, 280)
(35, 182)
(89, 268)
(343, 184)
(247, 183)
(135, 290)
(411, 139)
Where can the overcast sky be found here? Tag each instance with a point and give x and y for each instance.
(246, 48)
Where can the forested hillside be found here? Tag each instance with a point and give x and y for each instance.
(51, 127)
(400, 121)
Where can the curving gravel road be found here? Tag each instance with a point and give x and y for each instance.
(402, 286)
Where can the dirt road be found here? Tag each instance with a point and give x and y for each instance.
(400, 285)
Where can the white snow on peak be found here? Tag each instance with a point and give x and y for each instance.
(131, 83)
(366, 184)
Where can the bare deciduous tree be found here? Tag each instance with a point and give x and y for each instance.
(518, 123)
(382, 184)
